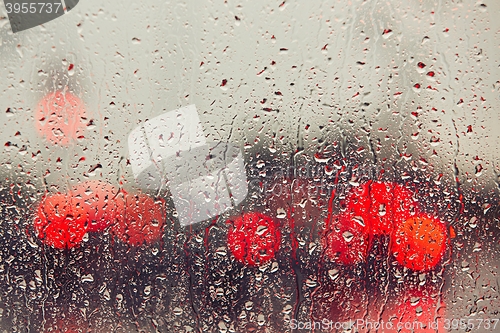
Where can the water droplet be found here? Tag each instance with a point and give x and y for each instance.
(479, 170)
(312, 247)
(261, 320)
(477, 247)
(221, 251)
(280, 213)
(311, 283)
(274, 267)
(382, 210)
(465, 266)
(486, 208)
(348, 236)
(419, 311)
(222, 327)
(87, 278)
(414, 301)
(249, 305)
(354, 181)
(333, 273)
(473, 222)
(435, 141)
(359, 220)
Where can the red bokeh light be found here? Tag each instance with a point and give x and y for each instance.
(60, 221)
(346, 239)
(59, 117)
(253, 238)
(375, 209)
(142, 221)
(418, 311)
(419, 242)
(381, 205)
(102, 202)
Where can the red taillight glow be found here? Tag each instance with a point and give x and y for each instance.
(142, 221)
(60, 221)
(419, 242)
(59, 118)
(374, 209)
(253, 238)
(102, 202)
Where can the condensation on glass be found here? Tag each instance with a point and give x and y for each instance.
(263, 166)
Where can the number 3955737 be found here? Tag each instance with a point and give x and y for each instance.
(33, 8)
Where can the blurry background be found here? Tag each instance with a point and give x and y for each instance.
(412, 89)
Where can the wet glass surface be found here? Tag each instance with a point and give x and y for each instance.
(196, 166)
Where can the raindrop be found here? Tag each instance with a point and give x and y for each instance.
(321, 159)
(333, 273)
(274, 267)
(311, 283)
(382, 210)
(386, 33)
(486, 208)
(287, 309)
(354, 181)
(280, 213)
(473, 222)
(359, 220)
(419, 311)
(87, 278)
(249, 305)
(222, 251)
(261, 229)
(261, 319)
(312, 247)
(435, 141)
(479, 170)
(477, 247)
(222, 327)
(348, 236)
(465, 266)
(85, 237)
